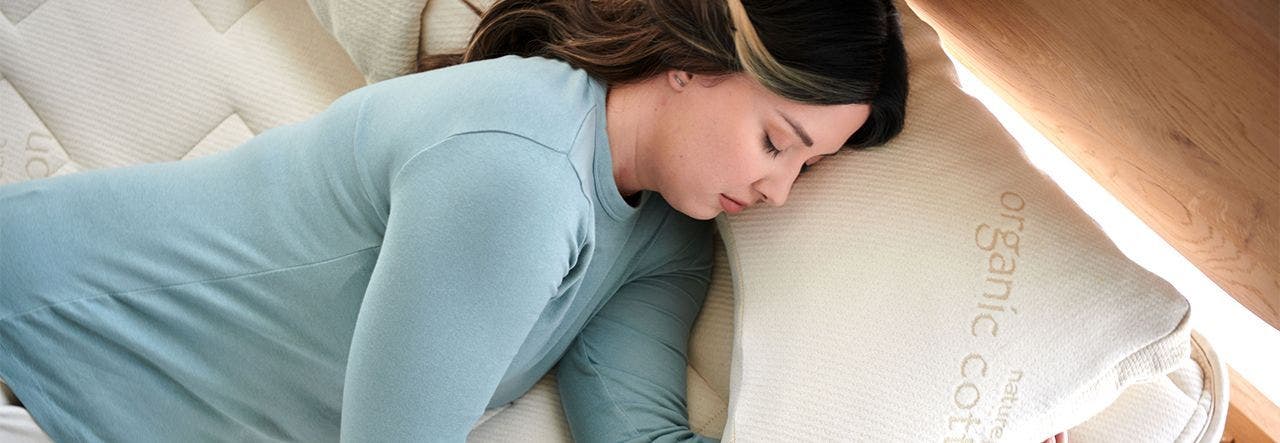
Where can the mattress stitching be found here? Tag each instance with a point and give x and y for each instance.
(720, 412)
(22, 98)
(708, 383)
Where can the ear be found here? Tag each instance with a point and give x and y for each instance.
(678, 80)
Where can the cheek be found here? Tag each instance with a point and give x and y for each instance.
(721, 166)
(708, 155)
(745, 157)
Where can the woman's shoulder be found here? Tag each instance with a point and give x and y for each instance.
(543, 99)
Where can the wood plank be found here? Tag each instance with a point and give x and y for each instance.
(1173, 106)
(1251, 417)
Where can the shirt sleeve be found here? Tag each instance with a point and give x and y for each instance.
(481, 230)
(623, 379)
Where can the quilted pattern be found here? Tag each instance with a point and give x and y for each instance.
(110, 83)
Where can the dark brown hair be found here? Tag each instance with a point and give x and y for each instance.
(815, 52)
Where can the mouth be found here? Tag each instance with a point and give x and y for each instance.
(730, 205)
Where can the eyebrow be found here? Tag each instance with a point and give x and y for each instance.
(804, 136)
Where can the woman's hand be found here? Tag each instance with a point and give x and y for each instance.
(1060, 438)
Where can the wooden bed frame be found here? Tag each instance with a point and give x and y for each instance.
(1173, 106)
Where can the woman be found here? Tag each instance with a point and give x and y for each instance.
(429, 246)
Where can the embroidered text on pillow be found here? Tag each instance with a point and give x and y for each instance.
(991, 309)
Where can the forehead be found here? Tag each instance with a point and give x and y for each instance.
(741, 83)
(740, 96)
(826, 124)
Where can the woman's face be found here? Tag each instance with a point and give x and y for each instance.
(710, 140)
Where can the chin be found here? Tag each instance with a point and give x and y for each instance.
(699, 212)
(704, 214)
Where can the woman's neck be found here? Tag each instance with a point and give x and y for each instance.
(628, 110)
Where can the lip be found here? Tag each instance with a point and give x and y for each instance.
(730, 205)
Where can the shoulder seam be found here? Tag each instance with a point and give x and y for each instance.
(359, 166)
(591, 209)
(585, 201)
(458, 134)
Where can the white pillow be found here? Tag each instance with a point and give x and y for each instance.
(939, 288)
(381, 37)
(1188, 405)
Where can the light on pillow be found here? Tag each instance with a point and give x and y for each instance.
(1236, 334)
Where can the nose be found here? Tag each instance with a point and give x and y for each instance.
(775, 192)
(775, 186)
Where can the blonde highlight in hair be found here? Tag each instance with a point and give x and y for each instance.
(759, 63)
(811, 51)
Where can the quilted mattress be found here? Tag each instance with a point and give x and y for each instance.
(102, 84)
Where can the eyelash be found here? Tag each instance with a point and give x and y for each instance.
(769, 147)
(774, 151)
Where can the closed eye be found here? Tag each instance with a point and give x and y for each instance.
(769, 147)
(773, 150)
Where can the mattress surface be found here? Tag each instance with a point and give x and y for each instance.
(87, 85)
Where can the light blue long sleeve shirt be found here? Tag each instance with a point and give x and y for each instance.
(426, 248)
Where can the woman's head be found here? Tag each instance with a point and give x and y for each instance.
(693, 138)
(722, 77)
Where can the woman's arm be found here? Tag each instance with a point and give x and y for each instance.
(624, 377)
(482, 228)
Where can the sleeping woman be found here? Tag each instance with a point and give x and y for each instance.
(430, 246)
